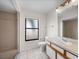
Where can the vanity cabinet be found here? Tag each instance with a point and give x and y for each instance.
(50, 52)
(55, 52)
(59, 56)
(71, 56)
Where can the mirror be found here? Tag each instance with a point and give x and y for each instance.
(68, 23)
(70, 28)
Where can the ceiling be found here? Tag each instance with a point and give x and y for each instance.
(7, 5)
(40, 6)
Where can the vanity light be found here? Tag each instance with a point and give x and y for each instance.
(73, 1)
(66, 4)
(62, 6)
(59, 10)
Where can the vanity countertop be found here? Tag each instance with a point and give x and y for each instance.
(72, 48)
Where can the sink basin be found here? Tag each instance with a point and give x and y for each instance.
(67, 42)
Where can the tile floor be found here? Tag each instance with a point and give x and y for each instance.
(32, 54)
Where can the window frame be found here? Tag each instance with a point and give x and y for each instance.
(31, 28)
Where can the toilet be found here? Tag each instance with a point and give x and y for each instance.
(42, 45)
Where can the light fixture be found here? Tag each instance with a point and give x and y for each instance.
(59, 10)
(73, 1)
(64, 5)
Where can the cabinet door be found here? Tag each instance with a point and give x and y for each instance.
(57, 48)
(50, 52)
(71, 56)
(59, 56)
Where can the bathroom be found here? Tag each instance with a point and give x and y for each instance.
(49, 19)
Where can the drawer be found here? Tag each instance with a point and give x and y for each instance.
(50, 52)
(59, 56)
(57, 48)
(71, 56)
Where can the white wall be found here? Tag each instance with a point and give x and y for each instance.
(18, 31)
(26, 45)
(52, 24)
(67, 14)
(60, 25)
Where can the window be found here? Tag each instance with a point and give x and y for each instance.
(31, 29)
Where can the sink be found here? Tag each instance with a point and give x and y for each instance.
(67, 42)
